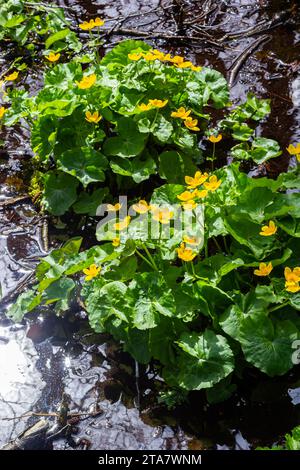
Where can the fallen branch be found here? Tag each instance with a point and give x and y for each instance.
(237, 64)
(13, 200)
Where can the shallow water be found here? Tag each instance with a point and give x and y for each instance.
(46, 356)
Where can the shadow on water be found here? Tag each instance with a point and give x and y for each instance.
(46, 356)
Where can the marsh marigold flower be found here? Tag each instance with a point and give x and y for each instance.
(214, 139)
(93, 117)
(2, 111)
(177, 59)
(191, 240)
(141, 207)
(189, 205)
(191, 124)
(196, 180)
(162, 215)
(213, 183)
(135, 56)
(292, 279)
(186, 196)
(145, 107)
(186, 254)
(268, 230)
(116, 242)
(87, 81)
(91, 272)
(89, 25)
(158, 103)
(196, 68)
(264, 269)
(113, 207)
(294, 149)
(123, 223)
(181, 113)
(13, 76)
(52, 57)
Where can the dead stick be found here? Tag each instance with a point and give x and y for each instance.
(243, 57)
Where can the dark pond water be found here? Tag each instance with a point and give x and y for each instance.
(46, 356)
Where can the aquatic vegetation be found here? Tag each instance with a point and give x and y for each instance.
(203, 305)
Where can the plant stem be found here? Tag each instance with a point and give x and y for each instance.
(144, 259)
(217, 244)
(225, 245)
(278, 307)
(213, 156)
(150, 257)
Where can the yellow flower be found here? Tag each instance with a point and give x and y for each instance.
(163, 215)
(186, 254)
(13, 76)
(186, 196)
(158, 54)
(202, 193)
(149, 56)
(113, 207)
(177, 59)
(191, 124)
(184, 65)
(213, 183)
(292, 286)
(264, 269)
(196, 68)
(116, 242)
(214, 139)
(145, 107)
(294, 149)
(141, 207)
(123, 224)
(87, 81)
(292, 274)
(158, 103)
(2, 111)
(268, 230)
(135, 56)
(189, 205)
(53, 57)
(98, 22)
(93, 117)
(88, 25)
(168, 57)
(181, 113)
(91, 272)
(197, 180)
(191, 240)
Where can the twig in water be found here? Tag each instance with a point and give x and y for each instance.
(243, 57)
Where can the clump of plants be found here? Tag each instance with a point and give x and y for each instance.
(204, 303)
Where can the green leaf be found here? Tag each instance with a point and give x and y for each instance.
(118, 57)
(107, 301)
(58, 36)
(174, 166)
(84, 163)
(216, 87)
(129, 143)
(59, 292)
(89, 203)
(59, 193)
(25, 303)
(151, 297)
(267, 344)
(204, 360)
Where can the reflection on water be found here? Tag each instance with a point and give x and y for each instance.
(20, 384)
